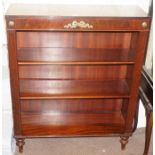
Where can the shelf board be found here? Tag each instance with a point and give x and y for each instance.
(46, 97)
(73, 63)
(69, 123)
(73, 89)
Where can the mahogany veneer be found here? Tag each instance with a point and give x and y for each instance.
(75, 73)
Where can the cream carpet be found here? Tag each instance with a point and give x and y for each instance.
(85, 146)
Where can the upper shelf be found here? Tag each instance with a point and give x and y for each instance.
(75, 10)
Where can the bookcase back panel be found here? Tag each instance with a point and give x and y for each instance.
(63, 55)
(74, 39)
(72, 106)
(75, 72)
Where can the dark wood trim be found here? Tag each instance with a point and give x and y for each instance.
(124, 140)
(77, 136)
(142, 38)
(11, 34)
(73, 63)
(20, 143)
(57, 23)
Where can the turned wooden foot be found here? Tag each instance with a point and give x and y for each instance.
(20, 143)
(124, 141)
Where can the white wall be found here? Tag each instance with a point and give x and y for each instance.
(7, 115)
(6, 99)
(1, 18)
(144, 4)
(149, 56)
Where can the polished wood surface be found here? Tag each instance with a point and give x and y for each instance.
(72, 105)
(87, 40)
(57, 23)
(140, 50)
(73, 72)
(74, 88)
(14, 81)
(71, 124)
(75, 81)
(75, 56)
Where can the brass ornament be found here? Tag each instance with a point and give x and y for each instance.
(144, 25)
(76, 24)
(11, 23)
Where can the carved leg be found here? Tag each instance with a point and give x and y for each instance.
(20, 143)
(124, 141)
(136, 115)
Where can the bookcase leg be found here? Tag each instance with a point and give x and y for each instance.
(124, 141)
(20, 143)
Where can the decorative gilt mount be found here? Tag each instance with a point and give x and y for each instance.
(76, 24)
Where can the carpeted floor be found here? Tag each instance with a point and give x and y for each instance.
(85, 146)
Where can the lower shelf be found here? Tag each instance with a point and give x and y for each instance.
(58, 124)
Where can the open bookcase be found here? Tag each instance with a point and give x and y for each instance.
(75, 76)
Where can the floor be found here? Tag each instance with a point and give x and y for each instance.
(85, 146)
